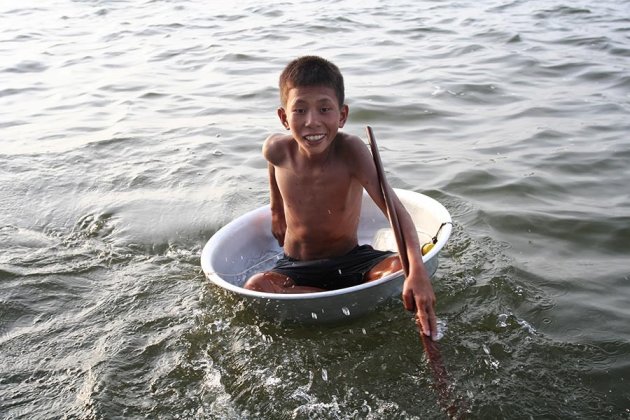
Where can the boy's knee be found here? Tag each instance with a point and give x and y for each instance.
(394, 263)
(387, 266)
(258, 282)
(252, 282)
(268, 282)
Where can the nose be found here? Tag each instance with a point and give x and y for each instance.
(311, 119)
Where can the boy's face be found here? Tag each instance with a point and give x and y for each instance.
(313, 115)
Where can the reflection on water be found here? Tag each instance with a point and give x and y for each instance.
(131, 133)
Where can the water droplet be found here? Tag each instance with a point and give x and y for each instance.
(217, 152)
(502, 321)
(525, 325)
(364, 332)
(345, 311)
(469, 281)
(314, 315)
(339, 271)
(441, 329)
(325, 374)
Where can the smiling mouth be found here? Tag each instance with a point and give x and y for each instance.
(314, 138)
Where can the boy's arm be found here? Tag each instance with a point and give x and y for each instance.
(417, 293)
(278, 222)
(274, 151)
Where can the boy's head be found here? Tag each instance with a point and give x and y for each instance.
(311, 71)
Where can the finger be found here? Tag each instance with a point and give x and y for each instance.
(433, 323)
(408, 302)
(424, 322)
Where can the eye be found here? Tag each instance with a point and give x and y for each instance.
(298, 110)
(325, 109)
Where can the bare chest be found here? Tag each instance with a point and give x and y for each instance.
(315, 188)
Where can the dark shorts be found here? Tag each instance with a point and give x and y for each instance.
(332, 273)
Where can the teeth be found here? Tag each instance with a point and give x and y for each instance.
(314, 137)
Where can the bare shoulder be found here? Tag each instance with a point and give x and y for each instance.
(358, 158)
(349, 142)
(355, 152)
(277, 147)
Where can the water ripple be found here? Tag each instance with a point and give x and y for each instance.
(132, 132)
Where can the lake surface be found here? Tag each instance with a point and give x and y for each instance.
(131, 132)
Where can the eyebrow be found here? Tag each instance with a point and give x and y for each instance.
(297, 101)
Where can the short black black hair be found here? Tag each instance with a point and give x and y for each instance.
(311, 70)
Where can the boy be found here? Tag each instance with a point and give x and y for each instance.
(317, 176)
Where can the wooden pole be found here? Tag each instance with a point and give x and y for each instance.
(431, 347)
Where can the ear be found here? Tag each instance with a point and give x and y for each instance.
(343, 115)
(282, 114)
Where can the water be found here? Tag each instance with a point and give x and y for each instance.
(131, 132)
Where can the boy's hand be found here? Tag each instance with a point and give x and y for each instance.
(418, 296)
(278, 227)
